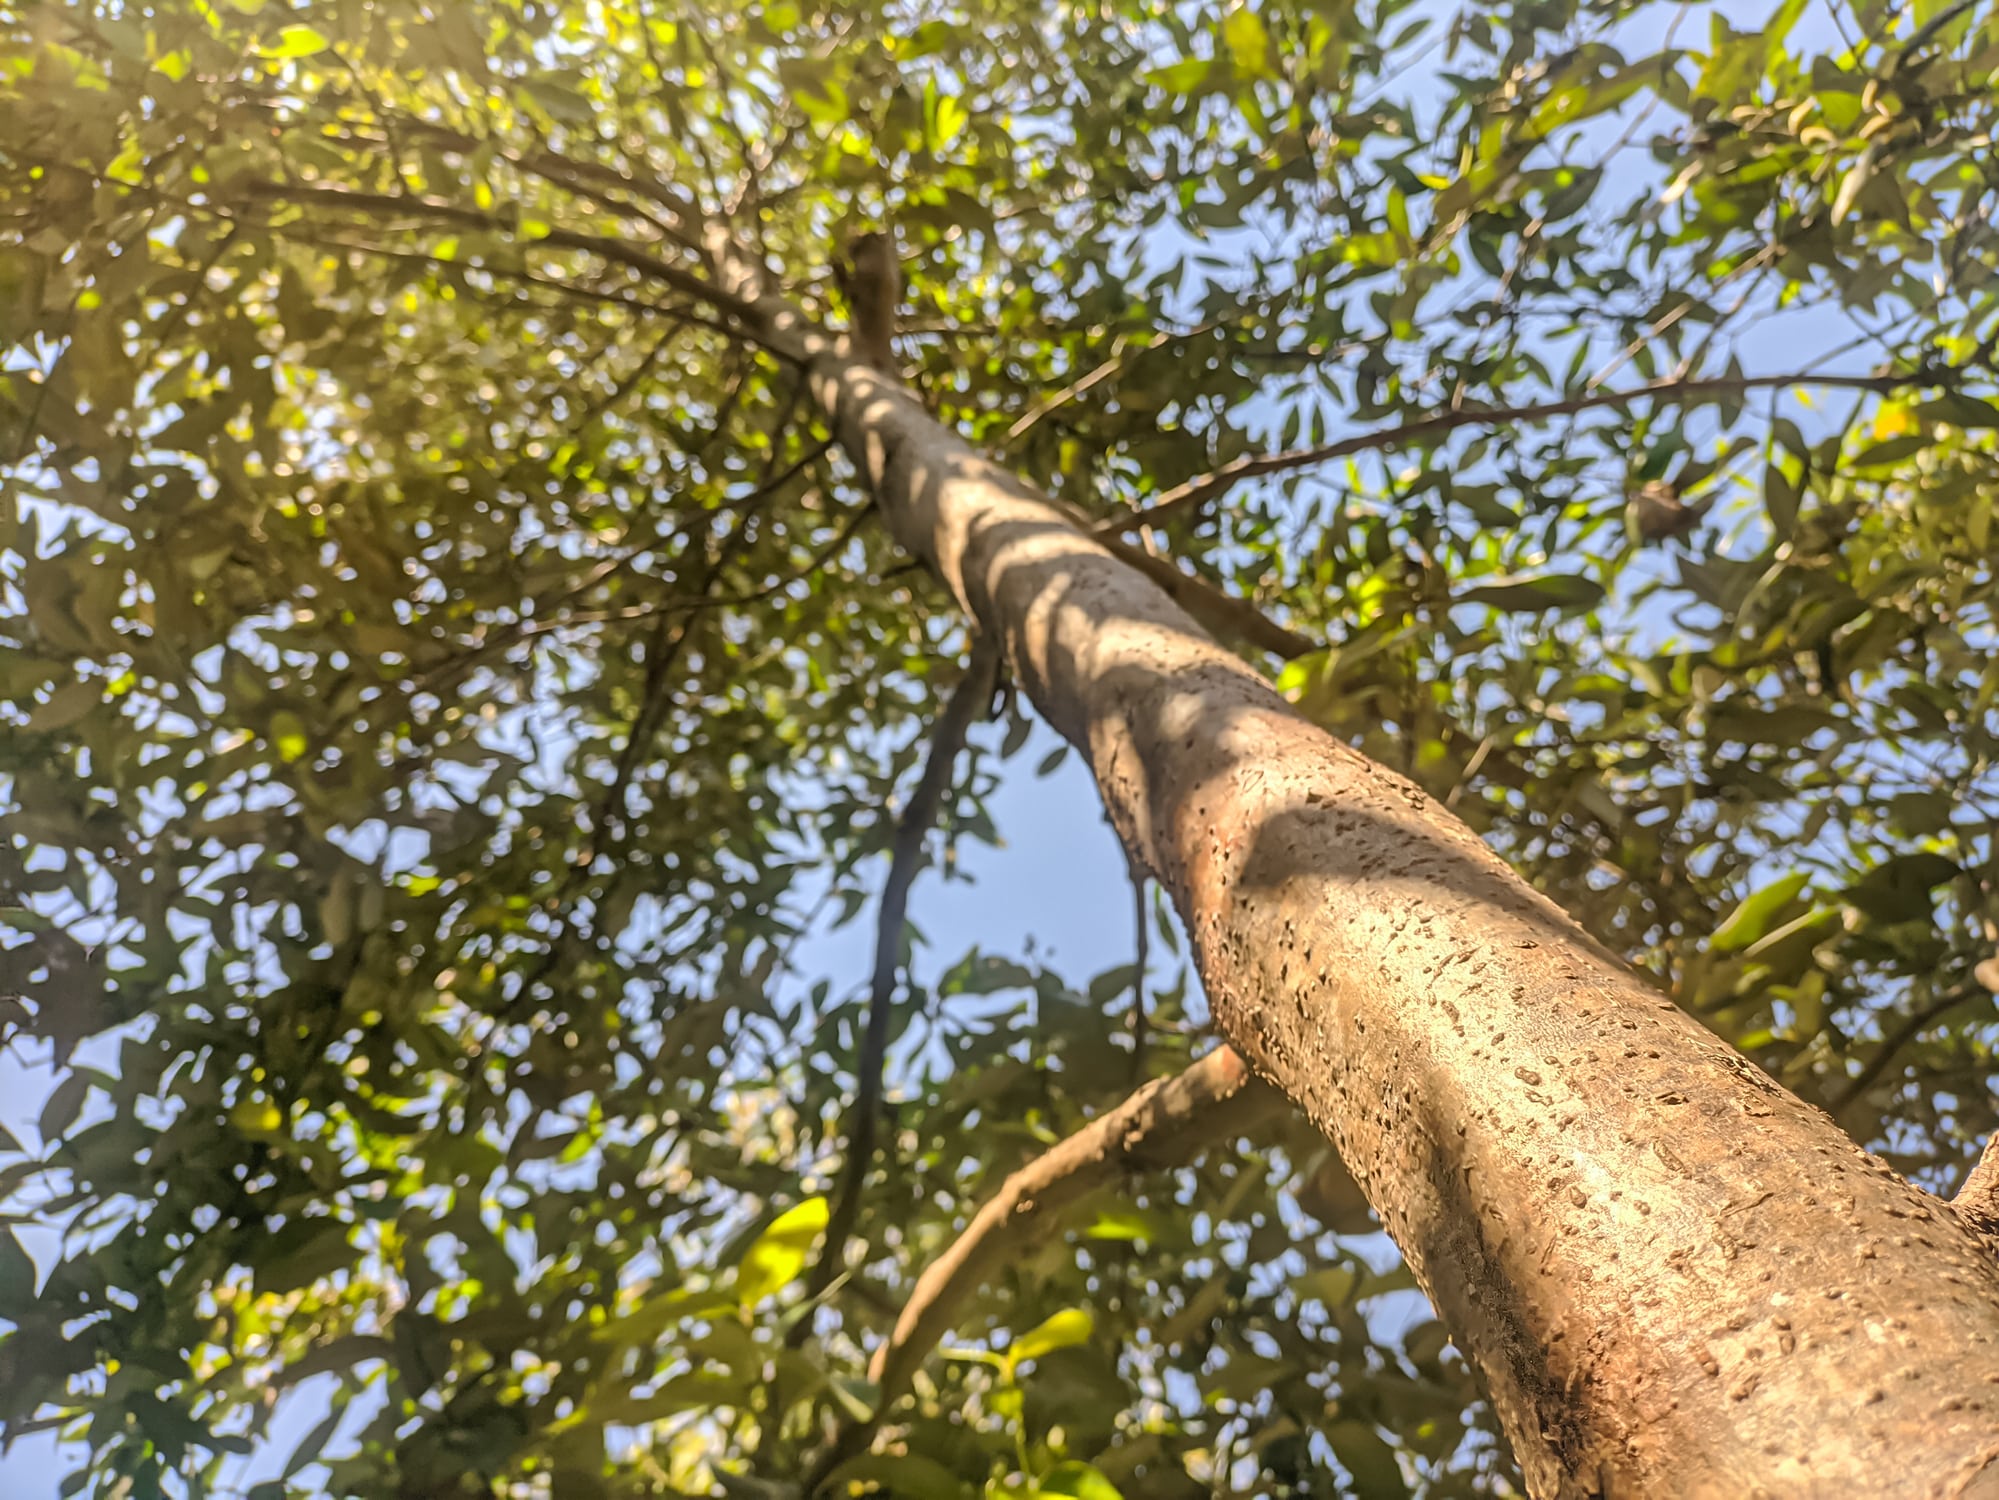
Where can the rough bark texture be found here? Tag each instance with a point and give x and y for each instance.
(1978, 1200)
(1676, 1278)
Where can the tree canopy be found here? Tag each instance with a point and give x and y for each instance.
(450, 666)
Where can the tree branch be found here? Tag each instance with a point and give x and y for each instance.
(1978, 1199)
(434, 210)
(1221, 613)
(1894, 1041)
(1928, 33)
(1269, 832)
(1141, 960)
(967, 703)
(672, 603)
(1164, 1124)
(1186, 500)
(584, 176)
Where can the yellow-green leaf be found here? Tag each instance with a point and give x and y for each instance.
(778, 1256)
(1071, 1326)
(298, 41)
(1078, 1481)
(1248, 41)
(950, 122)
(1182, 77)
(288, 736)
(256, 1117)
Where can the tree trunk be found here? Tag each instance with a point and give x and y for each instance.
(1676, 1278)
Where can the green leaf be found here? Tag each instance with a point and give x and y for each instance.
(1973, 413)
(1893, 450)
(17, 1274)
(858, 1398)
(305, 1251)
(64, 1103)
(1079, 1481)
(1780, 500)
(1531, 595)
(1248, 43)
(1898, 889)
(815, 90)
(947, 122)
(1754, 914)
(897, 1474)
(67, 705)
(1426, 1341)
(1061, 1331)
(1779, 25)
(313, 1443)
(1126, 1225)
(1367, 1456)
(780, 1253)
(1183, 77)
(1113, 982)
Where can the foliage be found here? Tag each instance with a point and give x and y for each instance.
(447, 671)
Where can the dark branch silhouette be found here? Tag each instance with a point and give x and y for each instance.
(1185, 501)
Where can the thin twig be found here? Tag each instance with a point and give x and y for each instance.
(577, 176)
(1927, 33)
(1118, 360)
(675, 604)
(510, 274)
(1630, 350)
(437, 211)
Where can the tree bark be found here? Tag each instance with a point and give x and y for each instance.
(1675, 1278)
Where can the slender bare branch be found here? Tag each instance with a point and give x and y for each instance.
(1165, 1123)
(968, 702)
(1892, 1043)
(672, 604)
(1928, 32)
(588, 178)
(1186, 500)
